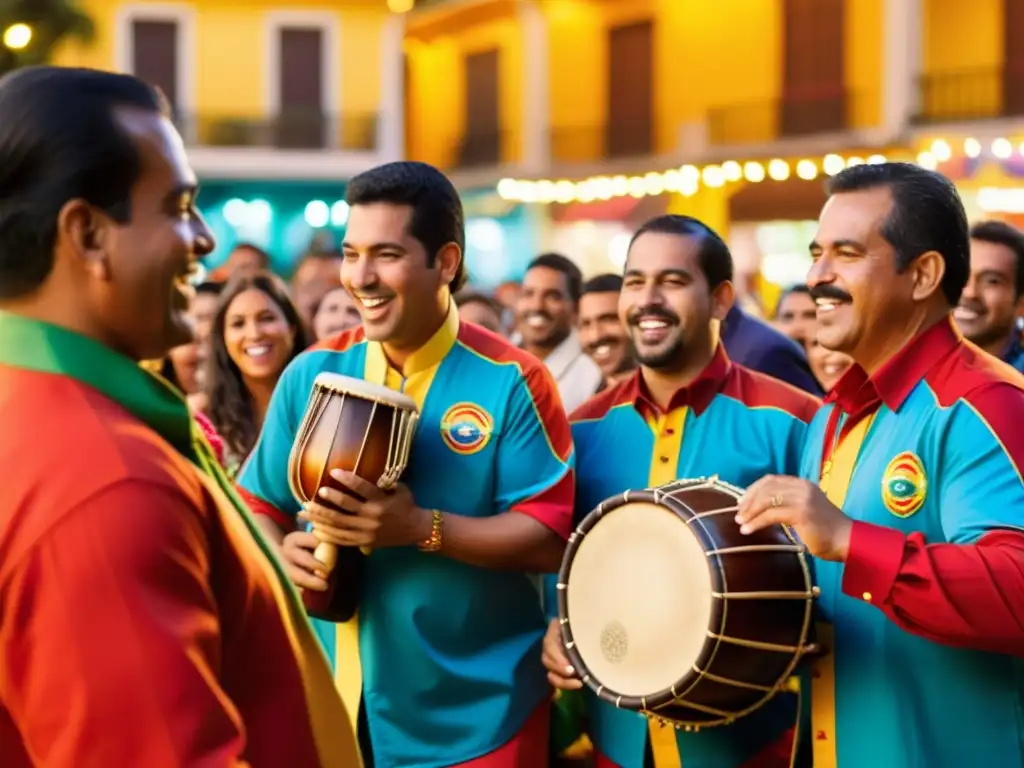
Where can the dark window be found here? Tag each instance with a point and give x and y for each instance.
(630, 127)
(155, 56)
(481, 143)
(302, 123)
(814, 91)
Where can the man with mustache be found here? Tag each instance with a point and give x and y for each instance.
(602, 333)
(992, 303)
(547, 309)
(450, 620)
(910, 495)
(687, 412)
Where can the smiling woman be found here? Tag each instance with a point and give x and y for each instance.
(256, 333)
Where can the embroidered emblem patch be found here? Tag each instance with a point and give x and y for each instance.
(466, 428)
(904, 485)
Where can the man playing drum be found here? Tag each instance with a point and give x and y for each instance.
(450, 620)
(687, 412)
(910, 494)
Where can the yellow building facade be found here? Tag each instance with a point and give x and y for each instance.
(228, 74)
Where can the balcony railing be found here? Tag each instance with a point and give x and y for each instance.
(764, 122)
(614, 140)
(974, 94)
(289, 130)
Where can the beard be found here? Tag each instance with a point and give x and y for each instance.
(669, 358)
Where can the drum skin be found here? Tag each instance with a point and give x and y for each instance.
(763, 603)
(352, 434)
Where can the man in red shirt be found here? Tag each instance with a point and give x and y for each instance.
(143, 621)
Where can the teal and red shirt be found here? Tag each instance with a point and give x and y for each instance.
(450, 653)
(927, 612)
(730, 422)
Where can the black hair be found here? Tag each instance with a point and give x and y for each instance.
(437, 217)
(231, 406)
(714, 255)
(927, 215)
(566, 267)
(1007, 235)
(467, 296)
(60, 139)
(210, 287)
(606, 283)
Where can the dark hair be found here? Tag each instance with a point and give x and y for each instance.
(1007, 235)
(927, 215)
(60, 139)
(467, 296)
(231, 406)
(606, 283)
(714, 256)
(210, 287)
(437, 217)
(567, 267)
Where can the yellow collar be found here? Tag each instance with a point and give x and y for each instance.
(427, 356)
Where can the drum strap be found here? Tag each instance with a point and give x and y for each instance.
(668, 441)
(835, 482)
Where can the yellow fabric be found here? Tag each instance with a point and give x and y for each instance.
(668, 439)
(336, 745)
(835, 482)
(419, 370)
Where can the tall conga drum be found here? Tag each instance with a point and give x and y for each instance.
(359, 427)
(667, 609)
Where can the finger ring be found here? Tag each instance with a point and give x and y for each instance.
(777, 500)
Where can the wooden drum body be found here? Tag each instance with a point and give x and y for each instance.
(667, 609)
(360, 427)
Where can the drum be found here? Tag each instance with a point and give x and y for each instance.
(667, 609)
(359, 427)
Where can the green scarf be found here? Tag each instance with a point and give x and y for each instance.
(36, 346)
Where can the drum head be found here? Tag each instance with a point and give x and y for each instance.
(348, 385)
(639, 599)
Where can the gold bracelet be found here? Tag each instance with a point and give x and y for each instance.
(433, 543)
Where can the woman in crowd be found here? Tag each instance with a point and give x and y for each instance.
(256, 333)
(827, 366)
(334, 313)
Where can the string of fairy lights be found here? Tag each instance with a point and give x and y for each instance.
(688, 179)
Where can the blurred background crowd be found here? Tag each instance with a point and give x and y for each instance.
(565, 124)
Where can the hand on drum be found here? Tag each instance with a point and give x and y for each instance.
(776, 499)
(385, 519)
(304, 570)
(560, 672)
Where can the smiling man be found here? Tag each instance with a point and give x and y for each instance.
(450, 621)
(547, 310)
(910, 495)
(143, 620)
(687, 412)
(992, 303)
(602, 334)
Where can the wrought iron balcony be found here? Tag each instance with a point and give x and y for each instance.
(816, 112)
(974, 94)
(288, 130)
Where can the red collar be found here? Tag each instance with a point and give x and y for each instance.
(697, 395)
(856, 394)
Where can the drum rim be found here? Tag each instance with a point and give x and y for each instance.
(342, 384)
(647, 705)
(609, 505)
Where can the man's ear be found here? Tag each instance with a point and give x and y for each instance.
(83, 231)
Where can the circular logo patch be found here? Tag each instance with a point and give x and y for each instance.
(904, 485)
(466, 428)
